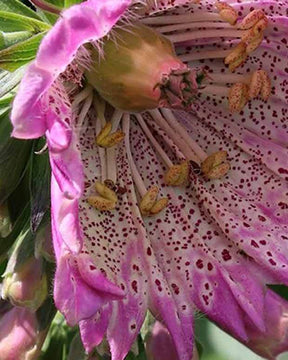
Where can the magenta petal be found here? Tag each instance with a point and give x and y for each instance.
(274, 340)
(58, 114)
(93, 329)
(77, 25)
(214, 298)
(95, 278)
(126, 320)
(74, 297)
(65, 222)
(26, 116)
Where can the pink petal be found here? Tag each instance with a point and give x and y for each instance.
(93, 329)
(76, 298)
(86, 22)
(274, 340)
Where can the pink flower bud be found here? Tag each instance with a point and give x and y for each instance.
(160, 345)
(26, 285)
(274, 340)
(19, 339)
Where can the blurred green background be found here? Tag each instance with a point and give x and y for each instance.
(217, 345)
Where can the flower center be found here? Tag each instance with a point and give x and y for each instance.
(141, 72)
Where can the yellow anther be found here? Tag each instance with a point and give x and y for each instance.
(251, 19)
(260, 84)
(105, 192)
(254, 44)
(227, 12)
(238, 97)
(149, 204)
(106, 130)
(255, 85)
(149, 199)
(106, 139)
(178, 175)
(100, 203)
(256, 31)
(159, 206)
(106, 200)
(266, 85)
(216, 165)
(236, 57)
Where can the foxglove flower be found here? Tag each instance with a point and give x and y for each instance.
(20, 337)
(160, 345)
(161, 209)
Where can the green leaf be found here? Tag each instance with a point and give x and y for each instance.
(8, 80)
(21, 53)
(39, 184)
(8, 241)
(58, 340)
(59, 3)
(72, 2)
(10, 22)
(14, 155)
(15, 6)
(281, 290)
(46, 313)
(76, 349)
(9, 39)
(199, 347)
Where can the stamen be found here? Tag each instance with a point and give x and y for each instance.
(100, 106)
(227, 12)
(169, 142)
(84, 111)
(216, 165)
(106, 192)
(266, 85)
(100, 203)
(187, 152)
(227, 78)
(82, 95)
(171, 119)
(159, 206)
(135, 174)
(215, 33)
(180, 19)
(237, 57)
(255, 85)
(149, 204)
(153, 141)
(102, 151)
(148, 200)
(111, 151)
(178, 175)
(106, 200)
(106, 138)
(208, 54)
(260, 84)
(251, 19)
(255, 31)
(196, 25)
(215, 90)
(254, 44)
(238, 97)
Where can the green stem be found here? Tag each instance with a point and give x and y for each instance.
(42, 4)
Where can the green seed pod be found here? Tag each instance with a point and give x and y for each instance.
(135, 68)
